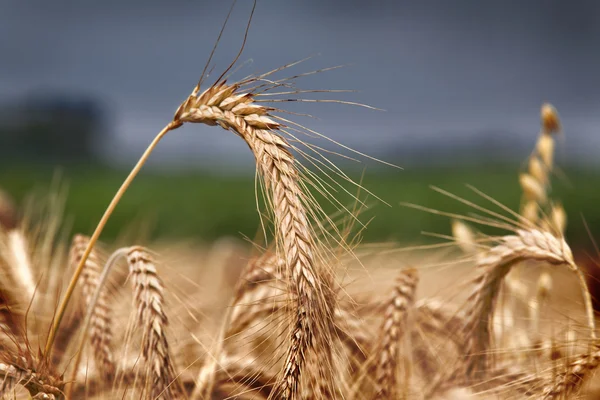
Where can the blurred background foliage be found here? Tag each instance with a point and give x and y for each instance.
(193, 203)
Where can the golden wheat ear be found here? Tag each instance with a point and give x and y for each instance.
(394, 328)
(158, 376)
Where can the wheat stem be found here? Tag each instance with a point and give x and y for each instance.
(96, 235)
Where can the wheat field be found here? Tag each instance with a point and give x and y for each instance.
(500, 309)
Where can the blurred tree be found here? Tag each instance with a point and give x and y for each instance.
(51, 128)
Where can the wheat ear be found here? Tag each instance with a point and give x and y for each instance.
(496, 264)
(25, 371)
(570, 381)
(161, 379)
(226, 106)
(392, 330)
(535, 183)
(101, 318)
(222, 105)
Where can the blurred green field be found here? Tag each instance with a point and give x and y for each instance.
(199, 205)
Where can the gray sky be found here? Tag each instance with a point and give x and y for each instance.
(447, 73)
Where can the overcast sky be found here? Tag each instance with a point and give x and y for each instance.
(445, 72)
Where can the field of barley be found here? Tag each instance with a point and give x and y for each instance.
(316, 273)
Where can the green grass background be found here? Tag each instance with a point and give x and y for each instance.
(197, 204)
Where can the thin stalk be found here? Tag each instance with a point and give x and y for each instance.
(94, 238)
(90, 311)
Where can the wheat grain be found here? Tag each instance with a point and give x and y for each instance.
(550, 119)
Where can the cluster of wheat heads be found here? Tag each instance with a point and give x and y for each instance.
(493, 344)
(288, 328)
(297, 218)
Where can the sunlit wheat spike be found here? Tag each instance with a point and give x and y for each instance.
(222, 105)
(161, 379)
(100, 330)
(393, 329)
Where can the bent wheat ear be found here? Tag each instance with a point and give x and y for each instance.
(223, 105)
(526, 245)
(161, 379)
(393, 329)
